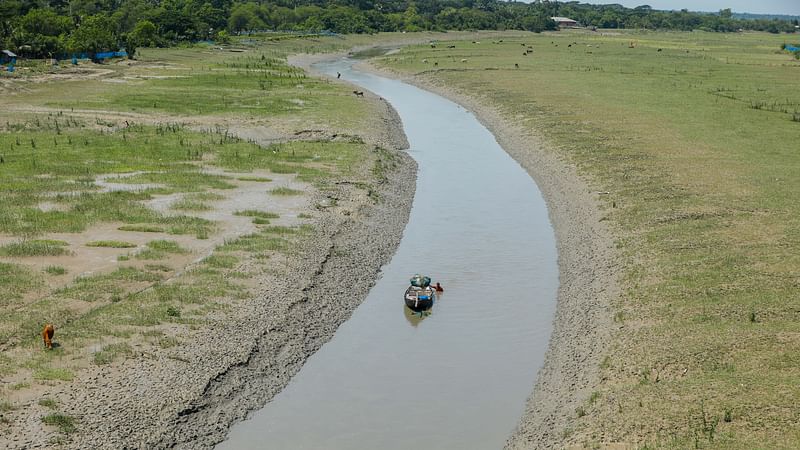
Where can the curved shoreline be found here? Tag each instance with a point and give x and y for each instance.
(587, 275)
(188, 397)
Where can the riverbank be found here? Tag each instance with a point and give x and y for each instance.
(206, 371)
(587, 273)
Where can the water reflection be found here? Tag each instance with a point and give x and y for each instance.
(416, 317)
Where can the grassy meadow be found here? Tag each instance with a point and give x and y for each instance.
(162, 124)
(696, 139)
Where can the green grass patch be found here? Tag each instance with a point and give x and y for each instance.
(160, 249)
(111, 244)
(35, 247)
(221, 261)
(255, 179)
(55, 270)
(142, 228)
(53, 374)
(64, 423)
(205, 196)
(105, 286)
(16, 281)
(257, 213)
(166, 246)
(284, 191)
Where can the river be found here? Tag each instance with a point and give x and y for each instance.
(458, 377)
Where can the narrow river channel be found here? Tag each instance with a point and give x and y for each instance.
(459, 377)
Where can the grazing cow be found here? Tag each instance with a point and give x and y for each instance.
(47, 335)
(359, 93)
(516, 65)
(451, 46)
(425, 61)
(659, 50)
(524, 53)
(436, 63)
(463, 60)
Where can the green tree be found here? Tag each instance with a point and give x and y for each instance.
(144, 34)
(94, 34)
(43, 31)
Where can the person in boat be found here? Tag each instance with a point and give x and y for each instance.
(438, 287)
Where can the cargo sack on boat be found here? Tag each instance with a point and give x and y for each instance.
(420, 281)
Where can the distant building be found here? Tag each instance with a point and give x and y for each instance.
(565, 22)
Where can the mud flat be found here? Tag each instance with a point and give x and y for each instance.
(587, 273)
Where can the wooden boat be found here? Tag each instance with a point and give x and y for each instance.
(420, 298)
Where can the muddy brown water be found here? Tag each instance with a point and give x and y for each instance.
(458, 377)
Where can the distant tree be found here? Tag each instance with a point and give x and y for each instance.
(144, 34)
(43, 32)
(94, 34)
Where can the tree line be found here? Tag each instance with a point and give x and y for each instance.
(57, 28)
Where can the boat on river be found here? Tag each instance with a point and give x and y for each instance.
(420, 295)
(420, 298)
